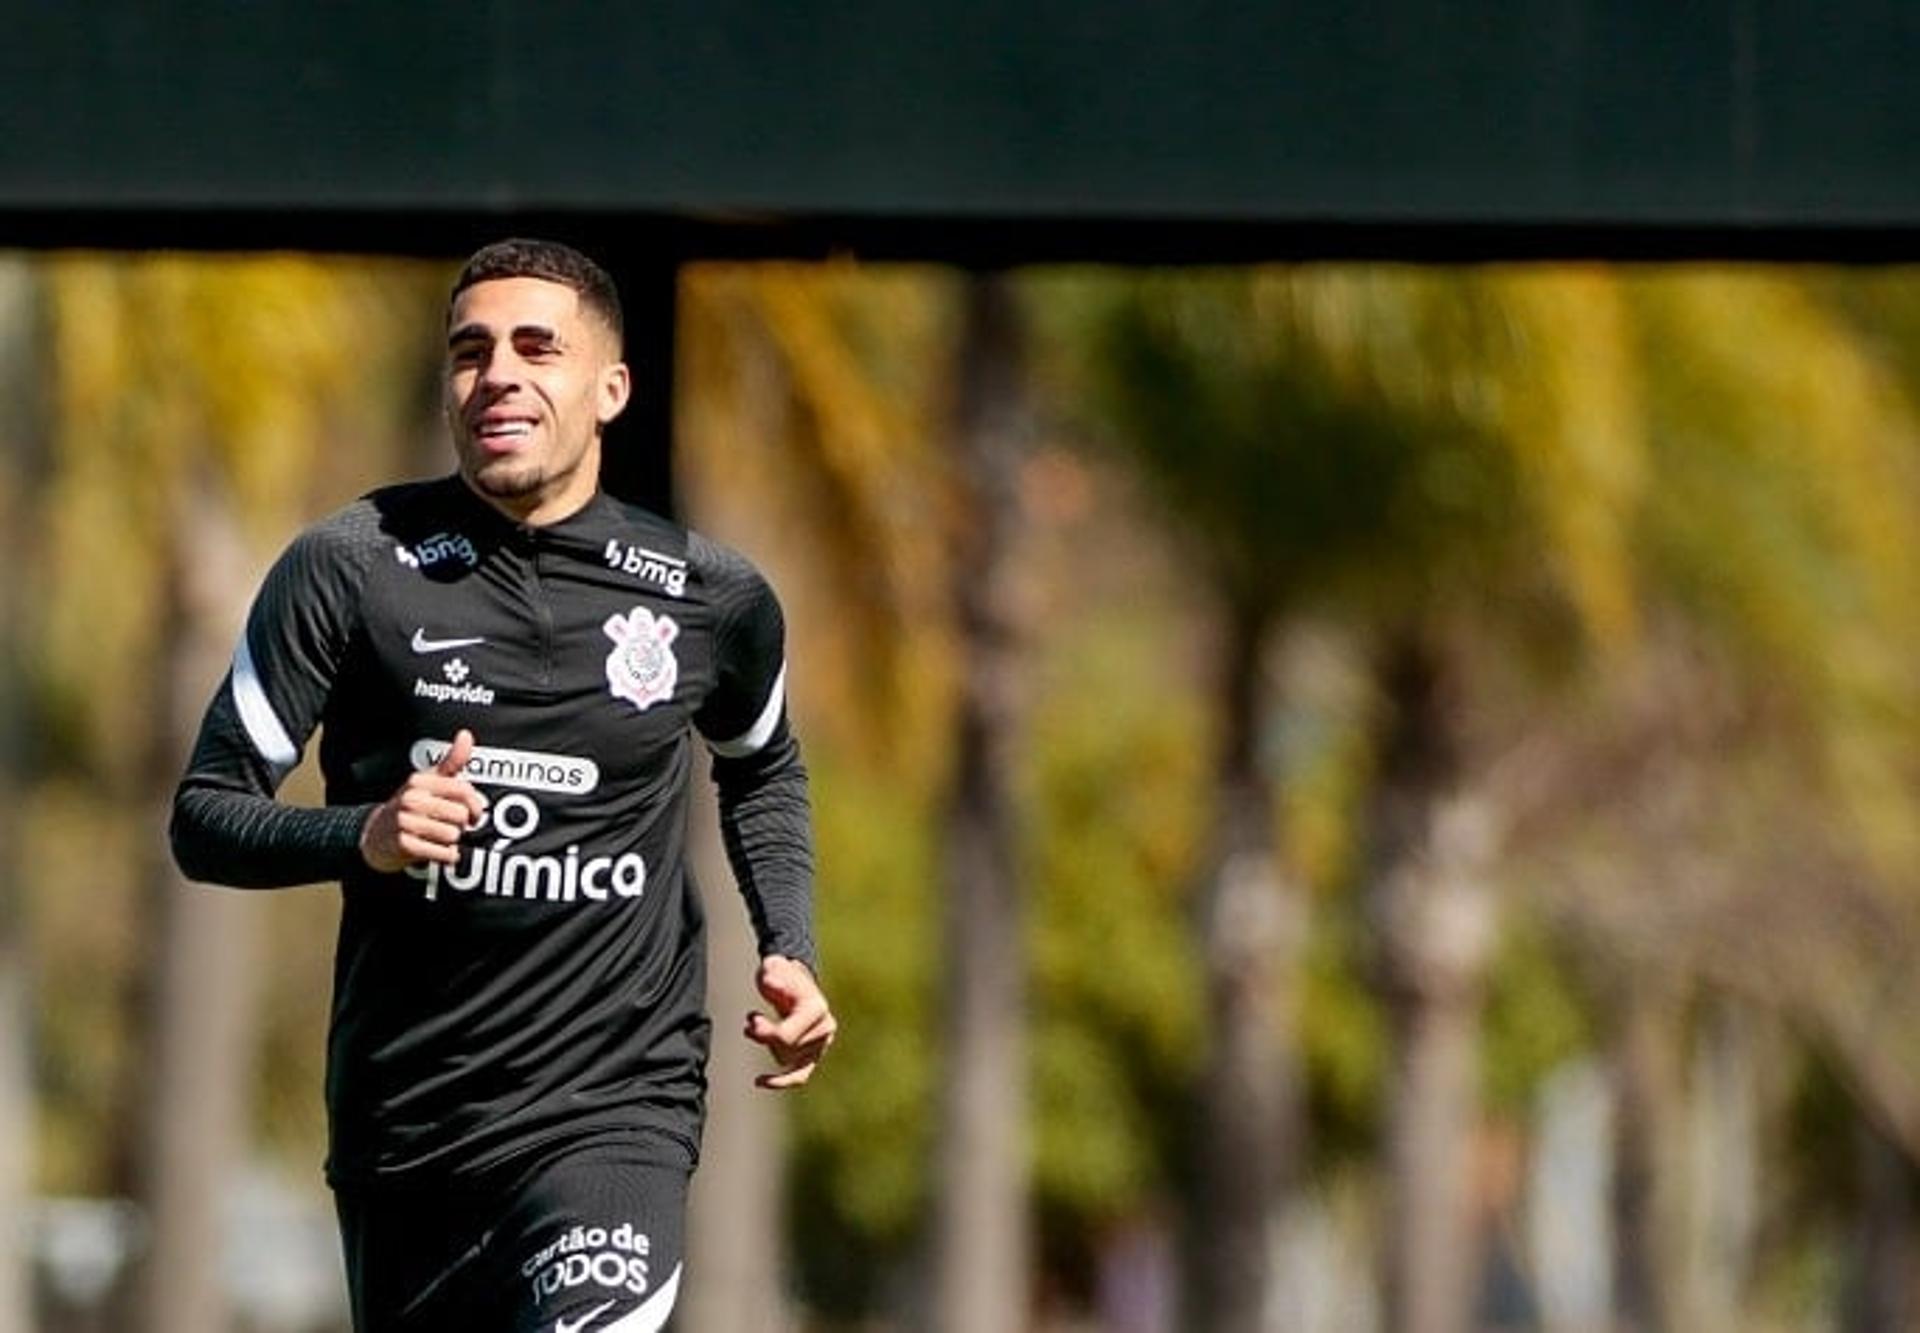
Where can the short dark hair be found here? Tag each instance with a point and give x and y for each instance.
(550, 261)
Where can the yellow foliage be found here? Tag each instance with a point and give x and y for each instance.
(1574, 418)
(810, 412)
(1788, 508)
(173, 372)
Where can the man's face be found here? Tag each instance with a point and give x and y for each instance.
(531, 380)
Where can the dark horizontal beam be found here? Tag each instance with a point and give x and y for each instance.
(972, 130)
(971, 242)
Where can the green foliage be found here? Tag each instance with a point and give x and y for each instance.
(1322, 757)
(263, 375)
(79, 867)
(1785, 525)
(811, 416)
(1536, 1018)
(1343, 1040)
(1564, 454)
(280, 386)
(1255, 403)
(1823, 1128)
(1881, 308)
(1115, 809)
(863, 1134)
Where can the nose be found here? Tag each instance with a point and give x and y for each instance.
(500, 370)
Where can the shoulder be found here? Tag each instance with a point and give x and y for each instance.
(388, 524)
(721, 567)
(745, 606)
(704, 568)
(638, 524)
(332, 558)
(350, 533)
(695, 565)
(749, 698)
(339, 546)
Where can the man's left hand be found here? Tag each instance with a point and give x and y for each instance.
(802, 1027)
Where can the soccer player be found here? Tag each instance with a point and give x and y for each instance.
(509, 668)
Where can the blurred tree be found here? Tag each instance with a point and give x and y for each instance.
(200, 404)
(1205, 408)
(736, 1252)
(1803, 570)
(1522, 473)
(1534, 373)
(1884, 1294)
(908, 547)
(23, 451)
(1114, 815)
(1396, 449)
(1733, 810)
(812, 413)
(1779, 531)
(808, 410)
(981, 1226)
(736, 1256)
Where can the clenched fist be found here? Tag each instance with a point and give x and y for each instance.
(423, 821)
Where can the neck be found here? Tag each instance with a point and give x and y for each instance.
(563, 498)
(544, 509)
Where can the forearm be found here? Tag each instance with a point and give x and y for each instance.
(765, 821)
(256, 842)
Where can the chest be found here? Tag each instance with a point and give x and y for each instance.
(556, 658)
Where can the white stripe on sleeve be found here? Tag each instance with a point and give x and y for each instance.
(761, 731)
(651, 1313)
(256, 712)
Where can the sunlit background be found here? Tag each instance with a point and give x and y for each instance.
(1460, 722)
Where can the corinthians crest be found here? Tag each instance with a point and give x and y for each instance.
(641, 668)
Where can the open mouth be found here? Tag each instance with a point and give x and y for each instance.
(504, 434)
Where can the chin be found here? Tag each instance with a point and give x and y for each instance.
(507, 483)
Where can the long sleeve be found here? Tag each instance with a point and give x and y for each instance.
(765, 813)
(765, 821)
(227, 826)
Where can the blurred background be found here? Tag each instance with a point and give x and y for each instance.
(1348, 796)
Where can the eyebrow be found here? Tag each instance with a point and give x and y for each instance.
(523, 332)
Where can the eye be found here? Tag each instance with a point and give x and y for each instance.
(467, 354)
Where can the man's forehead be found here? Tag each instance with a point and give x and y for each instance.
(501, 304)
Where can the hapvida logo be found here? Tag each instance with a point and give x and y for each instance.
(441, 692)
(456, 688)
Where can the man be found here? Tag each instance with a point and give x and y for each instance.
(508, 667)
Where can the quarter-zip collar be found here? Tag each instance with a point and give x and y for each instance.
(490, 524)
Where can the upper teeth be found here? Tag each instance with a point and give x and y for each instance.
(505, 427)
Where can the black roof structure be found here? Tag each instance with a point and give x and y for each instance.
(976, 132)
(972, 130)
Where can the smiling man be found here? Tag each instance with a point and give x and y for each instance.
(534, 376)
(511, 670)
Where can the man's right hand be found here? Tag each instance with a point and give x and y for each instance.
(423, 821)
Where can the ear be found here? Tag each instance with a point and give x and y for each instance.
(616, 386)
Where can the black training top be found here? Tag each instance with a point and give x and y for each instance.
(550, 986)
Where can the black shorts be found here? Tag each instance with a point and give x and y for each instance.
(587, 1241)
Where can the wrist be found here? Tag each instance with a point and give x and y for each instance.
(364, 841)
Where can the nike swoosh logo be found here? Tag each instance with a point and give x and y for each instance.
(575, 1325)
(422, 644)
